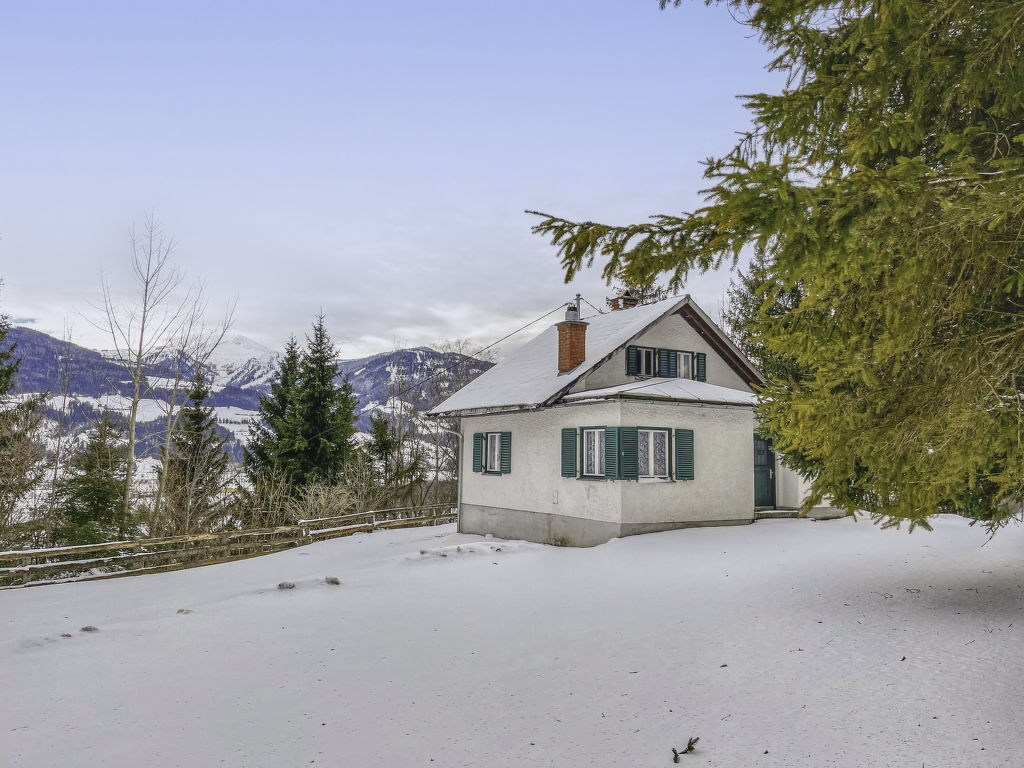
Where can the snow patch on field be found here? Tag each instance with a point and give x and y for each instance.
(784, 643)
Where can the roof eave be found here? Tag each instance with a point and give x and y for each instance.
(482, 411)
(660, 398)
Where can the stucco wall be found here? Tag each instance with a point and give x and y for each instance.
(723, 484)
(671, 332)
(535, 483)
(790, 488)
(722, 488)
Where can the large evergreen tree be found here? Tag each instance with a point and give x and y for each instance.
(196, 465)
(90, 495)
(326, 411)
(272, 451)
(886, 183)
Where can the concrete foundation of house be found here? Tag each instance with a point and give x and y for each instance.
(564, 531)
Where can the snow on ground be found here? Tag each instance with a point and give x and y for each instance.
(149, 408)
(236, 420)
(784, 643)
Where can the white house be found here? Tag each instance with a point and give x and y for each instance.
(632, 421)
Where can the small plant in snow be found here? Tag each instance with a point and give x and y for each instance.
(286, 585)
(333, 580)
(689, 748)
(89, 628)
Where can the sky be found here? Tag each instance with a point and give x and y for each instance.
(372, 161)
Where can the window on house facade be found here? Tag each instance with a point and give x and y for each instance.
(593, 452)
(668, 363)
(493, 453)
(652, 453)
(627, 453)
(648, 362)
(685, 365)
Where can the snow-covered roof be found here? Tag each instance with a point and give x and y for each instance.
(529, 377)
(687, 390)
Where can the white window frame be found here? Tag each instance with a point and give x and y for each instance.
(645, 473)
(685, 365)
(598, 458)
(648, 355)
(492, 453)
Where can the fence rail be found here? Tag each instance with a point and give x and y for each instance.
(54, 565)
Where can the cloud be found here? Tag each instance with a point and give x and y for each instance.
(23, 321)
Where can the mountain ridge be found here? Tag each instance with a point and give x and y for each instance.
(100, 385)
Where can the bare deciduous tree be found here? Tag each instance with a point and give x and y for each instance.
(460, 366)
(162, 319)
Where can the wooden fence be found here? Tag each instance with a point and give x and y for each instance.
(31, 567)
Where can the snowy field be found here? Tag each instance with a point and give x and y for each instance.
(784, 643)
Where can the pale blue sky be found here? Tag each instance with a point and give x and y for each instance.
(369, 159)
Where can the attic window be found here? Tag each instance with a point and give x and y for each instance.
(648, 362)
(685, 365)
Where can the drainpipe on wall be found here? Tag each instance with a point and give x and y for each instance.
(458, 480)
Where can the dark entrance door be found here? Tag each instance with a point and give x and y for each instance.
(764, 472)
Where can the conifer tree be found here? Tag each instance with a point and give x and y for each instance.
(8, 362)
(21, 452)
(273, 450)
(90, 495)
(196, 465)
(886, 185)
(326, 411)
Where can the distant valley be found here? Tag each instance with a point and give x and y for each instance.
(240, 371)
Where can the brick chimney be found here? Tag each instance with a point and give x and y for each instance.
(625, 300)
(572, 339)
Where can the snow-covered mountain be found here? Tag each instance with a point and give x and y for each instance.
(240, 371)
(241, 362)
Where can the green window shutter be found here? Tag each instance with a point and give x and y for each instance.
(632, 361)
(673, 364)
(628, 469)
(478, 452)
(663, 361)
(569, 452)
(684, 454)
(506, 452)
(611, 453)
(701, 360)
